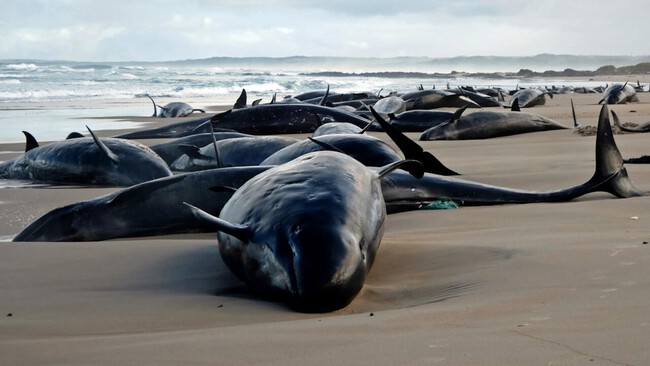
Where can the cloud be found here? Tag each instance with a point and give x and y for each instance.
(151, 30)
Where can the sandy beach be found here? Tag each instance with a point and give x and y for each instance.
(534, 284)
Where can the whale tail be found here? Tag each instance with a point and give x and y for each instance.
(610, 171)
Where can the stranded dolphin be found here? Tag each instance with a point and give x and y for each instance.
(305, 232)
(87, 160)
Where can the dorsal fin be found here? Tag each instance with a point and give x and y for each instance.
(198, 110)
(411, 149)
(459, 112)
(142, 191)
(155, 112)
(501, 98)
(323, 100)
(107, 152)
(241, 101)
(392, 116)
(514, 105)
(192, 151)
(74, 135)
(325, 145)
(256, 102)
(573, 112)
(30, 141)
(240, 232)
(274, 97)
(414, 167)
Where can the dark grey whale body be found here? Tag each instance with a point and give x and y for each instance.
(369, 150)
(531, 97)
(173, 109)
(270, 119)
(489, 124)
(305, 232)
(169, 151)
(263, 119)
(87, 160)
(240, 151)
(619, 94)
(405, 193)
(150, 208)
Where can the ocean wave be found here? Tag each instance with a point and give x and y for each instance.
(10, 81)
(21, 66)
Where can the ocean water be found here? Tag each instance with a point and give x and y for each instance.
(28, 88)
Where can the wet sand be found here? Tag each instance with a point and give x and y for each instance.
(535, 284)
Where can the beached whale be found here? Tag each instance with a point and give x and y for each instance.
(169, 151)
(270, 119)
(86, 160)
(531, 97)
(241, 151)
(390, 105)
(619, 94)
(489, 124)
(264, 119)
(306, 232)
(336, 128)
(644, 127)
(481, 99)
(150, 208)
(369, 150)
(419, 120)
(173, 109)
(610, 176)
(435, 98)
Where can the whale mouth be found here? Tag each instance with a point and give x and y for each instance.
(325, 268)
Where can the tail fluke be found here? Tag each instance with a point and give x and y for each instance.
(609, 162)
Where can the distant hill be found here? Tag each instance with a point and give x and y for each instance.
(543, 63)
(537, 63)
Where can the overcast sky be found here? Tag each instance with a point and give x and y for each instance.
(149, 30)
